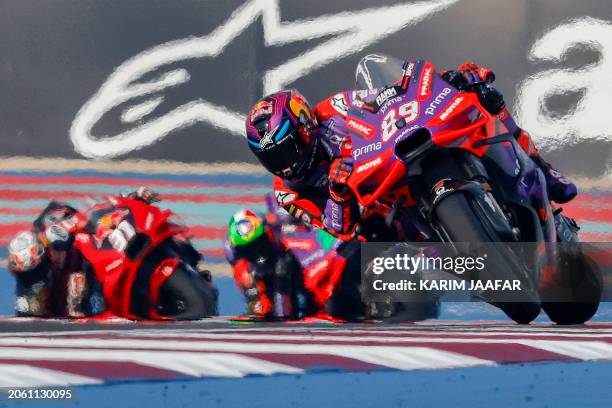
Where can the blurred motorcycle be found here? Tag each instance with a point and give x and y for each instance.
(122, 257)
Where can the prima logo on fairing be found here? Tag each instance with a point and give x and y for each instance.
(372, 147)
(350, 33)
(437, 101)
(314, 256)
(388, 103)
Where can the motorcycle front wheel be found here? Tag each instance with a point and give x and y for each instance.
(464, 217)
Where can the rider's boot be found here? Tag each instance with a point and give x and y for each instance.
(560, 189)
(283, 306)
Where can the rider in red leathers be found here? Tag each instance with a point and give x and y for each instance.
(56, 278)
(289, 271)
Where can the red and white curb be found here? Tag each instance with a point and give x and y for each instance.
(99, 356)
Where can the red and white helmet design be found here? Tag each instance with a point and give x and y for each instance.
(25, 252)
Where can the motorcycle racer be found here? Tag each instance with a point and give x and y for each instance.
(56, 279)
(310, 154)
(287, 270)
(39, 259)
(264, 269)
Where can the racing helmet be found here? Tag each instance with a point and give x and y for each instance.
(250, 238)
(26, 252)
(279, 132)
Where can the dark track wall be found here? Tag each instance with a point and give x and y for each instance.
(171, 79)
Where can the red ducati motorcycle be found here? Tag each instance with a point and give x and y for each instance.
(144, 263)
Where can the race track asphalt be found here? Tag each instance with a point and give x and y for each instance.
(218, 362)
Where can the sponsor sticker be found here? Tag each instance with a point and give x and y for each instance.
(372, 147)
(369, 165)
(360, 128)
(262, 108)
(451, 108)
(437, 101)
(425, 82)
(339, 104)
(358, 103)
(299, 244)
(384, 95)
(409, 69)
(440, 189)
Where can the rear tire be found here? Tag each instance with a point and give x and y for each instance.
(463, 220)
(584, 279)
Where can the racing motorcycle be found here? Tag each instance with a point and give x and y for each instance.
(434, 150)
(134, 262)
(330, 268)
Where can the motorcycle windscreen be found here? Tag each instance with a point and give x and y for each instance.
(377, 70)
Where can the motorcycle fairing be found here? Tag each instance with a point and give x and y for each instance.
(116, 269)
(432, 114)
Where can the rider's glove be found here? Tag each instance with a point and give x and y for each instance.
(254, 289)
(468, 75)
(474, 74)
(339, 172)
(490, 98)
(339, 214)
(144, 194)
(339, 218)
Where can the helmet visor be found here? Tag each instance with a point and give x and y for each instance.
(286, 158)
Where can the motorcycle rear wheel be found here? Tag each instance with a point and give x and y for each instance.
(583, 278)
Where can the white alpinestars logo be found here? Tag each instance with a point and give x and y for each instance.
(266, 140)
(339, 104)
(284, 198)
(350, 32)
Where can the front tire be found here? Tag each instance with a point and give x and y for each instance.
(462, 218)
(187, 295)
